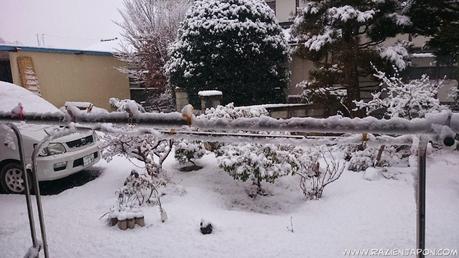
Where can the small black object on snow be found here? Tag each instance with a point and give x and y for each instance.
(206, 227)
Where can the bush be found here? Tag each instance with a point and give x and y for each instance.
(317, 169)
(382, 156)
(187, 152)
(256, 163)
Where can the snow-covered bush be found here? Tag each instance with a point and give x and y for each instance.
(361, 160)
(231, 112)
(187, 152)
(256, 163)
(137, 191)
(126, 105)
(317, 168)
(382, 156)
(409, 100)
(235, 46)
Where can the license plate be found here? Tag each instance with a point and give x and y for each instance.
(88, 159)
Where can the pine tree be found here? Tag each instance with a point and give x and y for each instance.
(343, 37)
(439, 20)
(234, 46)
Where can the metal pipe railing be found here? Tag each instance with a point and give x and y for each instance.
(445, 124)
(395, 126)
(33, 234)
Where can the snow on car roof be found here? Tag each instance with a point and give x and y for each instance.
(11, 95)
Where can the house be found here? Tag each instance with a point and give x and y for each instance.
(60, 75)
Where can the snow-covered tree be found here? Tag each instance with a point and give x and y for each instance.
(413, 99)
(342, 38)
(148, 27)
(146, 148)
(439, 21)
(235, 46)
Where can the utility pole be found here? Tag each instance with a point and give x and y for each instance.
(43, 39)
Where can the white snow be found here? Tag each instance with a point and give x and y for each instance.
(347, 12)
(354, 213)
(208, 93)
(423, 55)
(396, 54)
(11, 95)
(400, 20)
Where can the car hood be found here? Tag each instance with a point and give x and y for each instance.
(39, 132)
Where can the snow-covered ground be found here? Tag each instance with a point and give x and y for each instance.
(354, 213)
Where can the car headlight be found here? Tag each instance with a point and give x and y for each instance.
(53, 148)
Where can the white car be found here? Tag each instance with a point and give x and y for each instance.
(62, 157)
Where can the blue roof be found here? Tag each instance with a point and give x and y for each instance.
(15, 48)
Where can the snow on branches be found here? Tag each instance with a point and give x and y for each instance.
(409, 100)
(396, 54)
(316, 169)
(187, 152)
(126, 105)
(346, 36)
(148, 28)
(231, 112)
(146, 148)
(256, 163)
(242, 33)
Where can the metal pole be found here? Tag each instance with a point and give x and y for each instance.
(27, 188)
(38, 197)
(421, 198)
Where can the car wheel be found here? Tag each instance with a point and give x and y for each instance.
(12, 178)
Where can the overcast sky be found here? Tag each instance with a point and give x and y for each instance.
(65, 23)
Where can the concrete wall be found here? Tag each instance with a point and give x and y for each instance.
(299, 68)
(71, 77)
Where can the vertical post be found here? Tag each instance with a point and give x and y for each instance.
(27, 188)
(421, 198)
(38, 196)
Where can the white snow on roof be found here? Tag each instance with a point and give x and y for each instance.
(207, 93)
(11, 95)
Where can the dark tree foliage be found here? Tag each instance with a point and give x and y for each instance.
(234, 46)
(438, 19)
(343, 38)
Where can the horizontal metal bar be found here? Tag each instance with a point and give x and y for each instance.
(336, 124)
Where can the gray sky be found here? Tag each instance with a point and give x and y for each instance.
(65, 23)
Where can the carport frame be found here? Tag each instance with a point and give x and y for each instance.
(423, 127)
